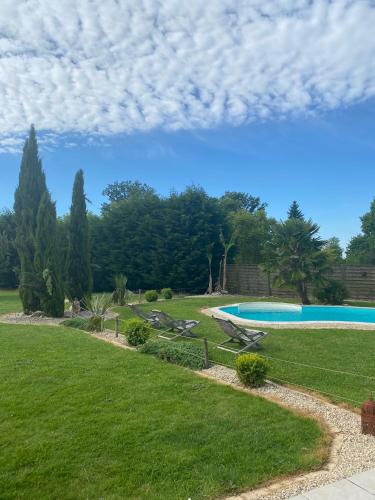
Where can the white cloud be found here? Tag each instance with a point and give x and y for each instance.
(103, 67)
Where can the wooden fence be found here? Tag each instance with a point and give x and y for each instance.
(250, 280)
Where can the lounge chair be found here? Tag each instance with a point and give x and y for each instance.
(183, 327)
(149, 317)
(247, 339)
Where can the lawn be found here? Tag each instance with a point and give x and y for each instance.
(9, 301)
(350, 351)
(80, 418)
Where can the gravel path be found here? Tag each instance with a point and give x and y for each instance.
(351, 451)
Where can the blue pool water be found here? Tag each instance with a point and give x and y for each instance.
(266, 311)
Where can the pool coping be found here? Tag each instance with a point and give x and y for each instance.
(345, 325)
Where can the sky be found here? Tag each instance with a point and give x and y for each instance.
(273, 98)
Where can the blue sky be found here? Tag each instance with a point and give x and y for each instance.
(274, 98)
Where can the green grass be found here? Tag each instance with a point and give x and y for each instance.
(9, 301)
(342, 350)
(81, 419)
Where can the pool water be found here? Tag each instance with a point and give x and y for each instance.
(290, 313)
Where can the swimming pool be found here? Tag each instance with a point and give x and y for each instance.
(273, 312)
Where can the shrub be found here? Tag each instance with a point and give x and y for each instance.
(98, 304)
(151, 295)
(137, 331)
(94, 324)
(167, 293)
(79, 323)
(188, 355)
(333, 292)
(251, 369)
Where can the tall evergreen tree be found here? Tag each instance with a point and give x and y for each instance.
(31, 187)
(295, 212)
(51, 290)
(78, 269)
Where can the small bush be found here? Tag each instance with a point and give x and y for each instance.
(151, 295)
(333, 292)
(251, 369)
(167, 293)
(79, 323)
(137, 331)
(94, 324)
(183, 354)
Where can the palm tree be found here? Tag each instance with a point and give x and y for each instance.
(227, 245)
(298, 259)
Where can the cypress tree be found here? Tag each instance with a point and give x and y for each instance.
(51, 291)
(295, 212)
(31, 187)
(78, 269)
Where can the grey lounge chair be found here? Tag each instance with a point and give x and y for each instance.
(183, 327)
(246, 338)
(149, 317)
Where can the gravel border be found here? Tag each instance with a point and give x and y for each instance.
(351, 452)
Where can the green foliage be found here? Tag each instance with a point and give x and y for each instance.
(78, 323)
(251, 369)
(151, 295)
(98, 304)
(78, 270)
(94, 324)
(31, 187)
(233, 201)
(332, 292)
(188, 355)
(167, 293)
(136, 331)
(295, 212)
(296, 256)
(50, 287)
(119, 191)
(120, 295)
(361, 248)
(333, 251)
(8, 254)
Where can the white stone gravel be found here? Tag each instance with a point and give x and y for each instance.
(351, 451)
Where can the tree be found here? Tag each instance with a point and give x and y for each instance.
(333, 251)
(123, 190)
(297, 256)
(361, 248)
(295, 212)
(231, 201)
(8, 254)
(31, 187)
(252, 231)
(50, 287)
(227, 245)
(210, 248)
(78, 271)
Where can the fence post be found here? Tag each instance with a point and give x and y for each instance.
(116, 321)
(139, 296)
(102, 323)
(206, 361)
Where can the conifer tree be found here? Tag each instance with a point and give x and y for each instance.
(295, 212)
(78, 270)
(31, 187)
(51, 290)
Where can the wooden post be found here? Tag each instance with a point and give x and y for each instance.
(206, 359)
(139, 296)
(102, 324)
(116, 321)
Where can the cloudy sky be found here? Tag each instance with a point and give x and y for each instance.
(230, 94)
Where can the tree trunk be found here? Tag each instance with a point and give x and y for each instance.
(302, 292)
(225, 270)
(209, 290)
